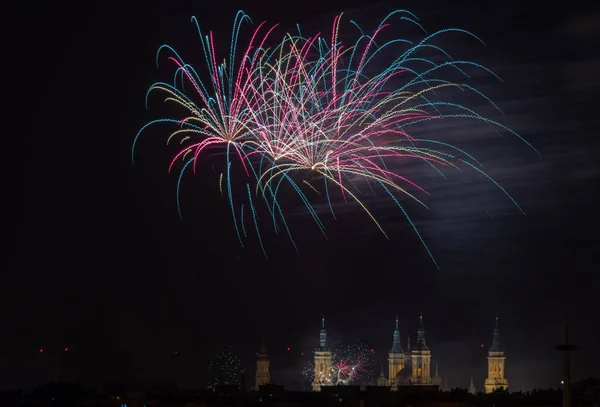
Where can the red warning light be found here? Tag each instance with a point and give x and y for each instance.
(41, 350)
(482, 345)
(66, 349)
(372, 350)
(288, 348)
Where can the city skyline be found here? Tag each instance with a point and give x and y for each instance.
(105, 267)
(453, 374)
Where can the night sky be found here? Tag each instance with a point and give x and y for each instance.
(105, 267)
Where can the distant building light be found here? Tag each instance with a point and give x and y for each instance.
(562, 382)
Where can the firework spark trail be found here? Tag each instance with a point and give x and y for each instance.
(352, 364)
(255, 221)
(222, 115)
(337, 132)
(306, 108)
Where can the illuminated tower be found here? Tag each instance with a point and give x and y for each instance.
(395, 357)
(421, 358)
(323, 361)
(495, 380)
(263, 372)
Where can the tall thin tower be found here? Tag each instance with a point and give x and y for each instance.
(496, 380)
(421, 358)
(263, 371)
(566, 349)
(323, 361)
(395, 357)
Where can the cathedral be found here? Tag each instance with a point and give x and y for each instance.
(405, 368)
(411, 367)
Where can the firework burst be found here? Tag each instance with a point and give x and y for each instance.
(213, 114)
(308, 371)
(326, 118)
(352, 364)
(224, 369)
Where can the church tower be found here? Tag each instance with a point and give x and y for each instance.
(495, 380)
(263, 371)
(323, 361)
(395, 357)
(421, 358)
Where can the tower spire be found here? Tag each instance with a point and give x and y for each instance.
(396, 347)
(395, 356)
(496, 342)
(496, 379)
(472, 389)
(323, 334)
(421, 345)
(421, 358)
(263, 347)
(323, 361)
